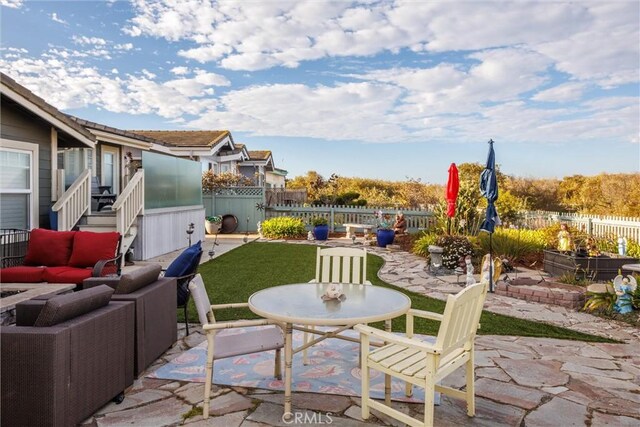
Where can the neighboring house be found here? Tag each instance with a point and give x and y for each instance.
(214, 149)
(276, 178)
(256, 166)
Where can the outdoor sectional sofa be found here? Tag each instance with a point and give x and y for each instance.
(63, 257)
(156, 323)
(66, 358)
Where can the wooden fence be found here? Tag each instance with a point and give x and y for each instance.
(596, 225)
(339, 215)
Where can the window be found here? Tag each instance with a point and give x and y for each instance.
(18, 197)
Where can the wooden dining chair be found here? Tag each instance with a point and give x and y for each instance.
(220, 347)
(338, 265)
(425, 364)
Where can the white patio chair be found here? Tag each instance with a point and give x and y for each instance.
(338, 265)
(424, 364)
(220, 347)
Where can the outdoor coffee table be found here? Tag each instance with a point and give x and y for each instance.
(302, 304)
(18, 292)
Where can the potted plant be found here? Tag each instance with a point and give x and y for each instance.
(320, 228)
(212, 224)
(385, 233)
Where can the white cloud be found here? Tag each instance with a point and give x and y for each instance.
(562, 93)
(148, 74)
(14, 4)
(588, 40)
(123, 46)
(180, 71)
(83, 40)
(55, 18)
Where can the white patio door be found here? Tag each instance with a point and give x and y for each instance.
(18, 185)
(110, 168)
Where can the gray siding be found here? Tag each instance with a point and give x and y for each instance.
(20, 126)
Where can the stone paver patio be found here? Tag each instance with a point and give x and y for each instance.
(519, 380)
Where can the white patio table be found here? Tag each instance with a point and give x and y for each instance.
(302, 304)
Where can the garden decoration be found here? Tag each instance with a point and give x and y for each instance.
(491, 269)
(245, 239)
(564, 239)
(624, 287)
(385, 233)
(190, 230)
(489, 189)
(333, 292)
(212, 224)
(260, 229)
(310, 236)
(453, 186)
(470, 279)
(320, 228)
(622, 246)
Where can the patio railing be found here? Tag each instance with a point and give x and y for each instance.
(74, 202)
(130, 203)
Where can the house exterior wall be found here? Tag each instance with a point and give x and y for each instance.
(274, 180)
(17, 125)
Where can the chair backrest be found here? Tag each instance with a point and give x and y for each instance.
(461, 319)
(201, 300)
(341, 265)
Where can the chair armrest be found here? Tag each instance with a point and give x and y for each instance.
(91, 282)
(232, 305)
(12, 261)
(392, 338)
(99, 268)
(238, 324)
(426, 314)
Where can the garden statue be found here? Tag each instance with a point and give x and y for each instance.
(622, 246)
(470, 279)
(624, 287)
(496, 269)
(564, 239)
(400, 226)
(260, 228)
(592, 247)
(310, 236)
(334, 291)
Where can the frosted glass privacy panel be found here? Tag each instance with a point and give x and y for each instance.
(171, 182)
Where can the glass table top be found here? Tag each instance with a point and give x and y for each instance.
(302, 303)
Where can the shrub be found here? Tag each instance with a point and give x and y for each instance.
(550, 234)
(318, 220)
(283, 226)
(633, 249)
(421, 246)
(454, 248)
(514, 244)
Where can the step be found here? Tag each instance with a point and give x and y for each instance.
(97, 228)
(101, 220)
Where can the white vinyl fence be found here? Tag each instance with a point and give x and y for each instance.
(596, 225)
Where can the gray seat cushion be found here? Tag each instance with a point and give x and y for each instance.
(64, 307)
(254, 341)
(138, 278)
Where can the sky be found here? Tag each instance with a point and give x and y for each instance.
(377, 89)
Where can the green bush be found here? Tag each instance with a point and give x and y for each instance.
(633, 249)
(283, 226)
(421, 246)
(318, 220)
(514, 244)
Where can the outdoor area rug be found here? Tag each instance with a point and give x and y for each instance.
(332, 369)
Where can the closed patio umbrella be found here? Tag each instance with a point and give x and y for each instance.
(453, 186)
(489, 189)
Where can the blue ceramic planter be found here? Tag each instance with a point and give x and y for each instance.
(321, 232)
(385, 237)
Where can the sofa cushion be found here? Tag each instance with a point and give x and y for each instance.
(48, 247)
(66, 274)
(64, 307)
(138, 278)
(90, 247)
(22, 274)
(185, 263)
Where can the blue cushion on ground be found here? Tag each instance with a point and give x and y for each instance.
(184, 264)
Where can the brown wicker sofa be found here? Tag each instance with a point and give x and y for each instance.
(156, 323)
(66, 358)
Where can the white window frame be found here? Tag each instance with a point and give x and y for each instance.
(33, 150)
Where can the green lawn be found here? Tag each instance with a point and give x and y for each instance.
(234, 276)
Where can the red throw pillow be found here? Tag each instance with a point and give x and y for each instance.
(90, 247)
(48, 247)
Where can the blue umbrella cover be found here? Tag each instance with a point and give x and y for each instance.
(489, 189)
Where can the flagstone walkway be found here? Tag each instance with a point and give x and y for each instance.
(520, 381)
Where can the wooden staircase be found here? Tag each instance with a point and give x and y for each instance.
(104, 221)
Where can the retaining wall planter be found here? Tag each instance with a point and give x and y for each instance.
(602, 268)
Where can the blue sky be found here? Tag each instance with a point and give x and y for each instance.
(375, 89)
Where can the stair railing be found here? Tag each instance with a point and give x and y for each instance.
(74, 202)
(129, 203)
